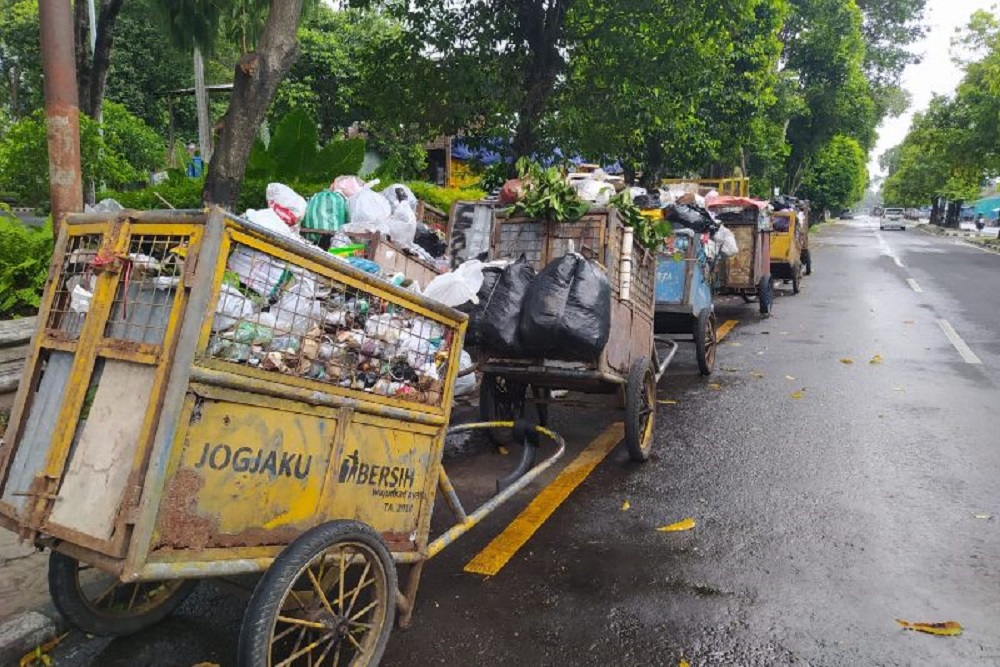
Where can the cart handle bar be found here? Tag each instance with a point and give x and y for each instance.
(465, 521)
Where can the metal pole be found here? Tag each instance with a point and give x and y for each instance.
(62, 107)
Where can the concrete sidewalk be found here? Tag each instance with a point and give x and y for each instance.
(27, 617)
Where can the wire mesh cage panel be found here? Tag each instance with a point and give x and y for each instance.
(145, 294)
(75, 283)
(280, 317)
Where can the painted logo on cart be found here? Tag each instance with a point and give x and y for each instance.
(353, 470)
(260, 461)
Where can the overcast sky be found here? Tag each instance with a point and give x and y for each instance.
(935, 73)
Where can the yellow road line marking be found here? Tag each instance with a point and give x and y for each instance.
(492, 559)
(724, 329)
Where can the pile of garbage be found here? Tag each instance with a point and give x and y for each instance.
(282, 318)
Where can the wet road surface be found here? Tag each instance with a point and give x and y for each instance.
(832, 495)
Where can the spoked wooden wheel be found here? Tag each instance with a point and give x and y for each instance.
(640, 410)
(705, 341)
(99, 604)
(328, 599)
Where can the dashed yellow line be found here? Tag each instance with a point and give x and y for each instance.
(492, 559)
(724, 329)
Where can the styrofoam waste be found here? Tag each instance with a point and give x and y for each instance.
(79, 299)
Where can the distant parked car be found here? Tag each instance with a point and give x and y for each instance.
(892, 218)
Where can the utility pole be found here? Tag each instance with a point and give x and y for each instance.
(201, 102)
(62, 108)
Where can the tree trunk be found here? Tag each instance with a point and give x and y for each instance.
(542, 27)
(201, 103)
(257, 77)
(92, 64)
(652, 170)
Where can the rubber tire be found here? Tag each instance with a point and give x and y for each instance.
(255, 632)
(765, 292)
(807, 262)
(488, 412)
(796, 279)
(704, 331)
(639, 376)
(69, 601)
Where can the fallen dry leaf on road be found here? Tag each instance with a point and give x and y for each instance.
(666, 401)
(757, 375)
(877, 359)
(684, 663)
(734, 344)
(946, 629)
(985, 517)
(626, 505)
(39, 656)
(799, 394)
(789, 377)
(846, 361)
(715, 385)
(683, 524)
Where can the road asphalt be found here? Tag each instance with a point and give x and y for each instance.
(841, 467)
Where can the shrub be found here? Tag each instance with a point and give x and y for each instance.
(24, 265)
(443, 198)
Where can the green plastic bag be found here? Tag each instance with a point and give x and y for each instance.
(327, 212)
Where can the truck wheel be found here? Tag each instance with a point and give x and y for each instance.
(766, 294)
(705, 341)
(640, 410)
(796, 279)
(807, 262)
(99, 604)
(330, 595)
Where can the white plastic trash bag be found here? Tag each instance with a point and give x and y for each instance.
(347, 185)
(403, 225)
(232, 308)
(79, 299)
(595, 191)
(367, 206)
(634, 192)
(458, 287)
(288, 204)
(391, 195)
(727, 242)
(465, 384)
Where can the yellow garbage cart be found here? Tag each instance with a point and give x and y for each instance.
(205, 397)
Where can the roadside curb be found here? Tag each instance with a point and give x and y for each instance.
(23, 632)
(988, 247)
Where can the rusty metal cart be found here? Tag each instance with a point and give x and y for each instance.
(633, 360)
(748, 274)
(204, 398)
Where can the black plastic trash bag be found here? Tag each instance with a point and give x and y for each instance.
(473, 334)
(693, 217)
(501, 313)
(427, 239)
(567, 311)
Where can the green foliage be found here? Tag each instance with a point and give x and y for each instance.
(293, 154)
(24, 265)
(124, 154)
(838, 176)
(547, 195)
(442, 198)
(648, 232)
(178, 190)
(20, 57)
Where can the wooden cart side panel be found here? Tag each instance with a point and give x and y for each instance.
(742, 268)
(393, 260)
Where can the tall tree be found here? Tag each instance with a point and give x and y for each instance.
(92, 64)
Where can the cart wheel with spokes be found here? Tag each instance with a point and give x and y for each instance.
(705, 340)
(500, 400)
(329, 598)
(640, 409)
(99, 604)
